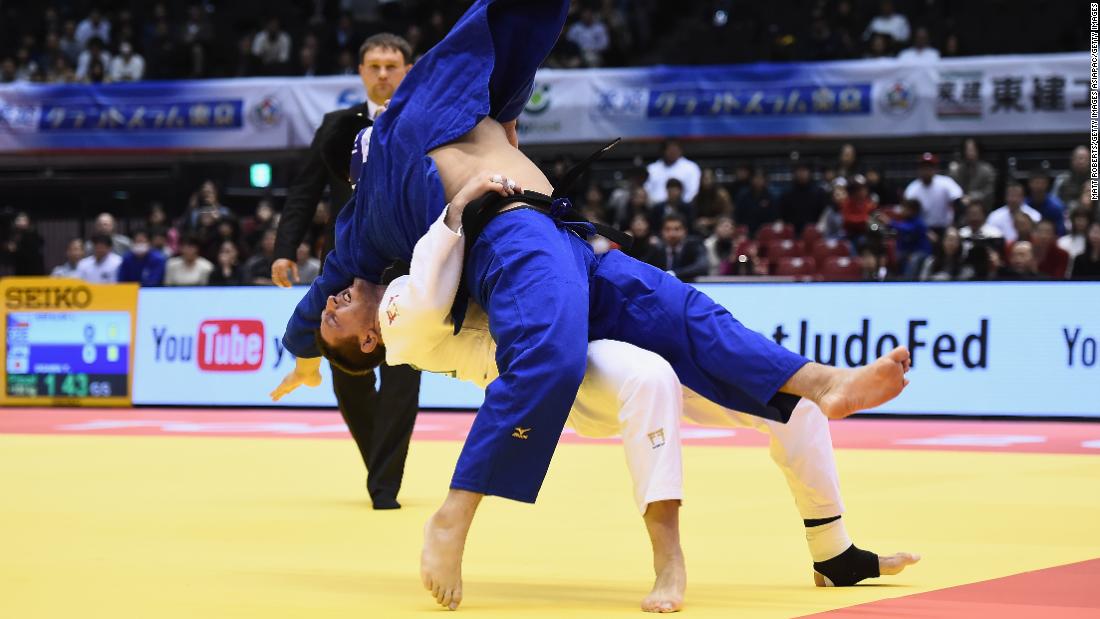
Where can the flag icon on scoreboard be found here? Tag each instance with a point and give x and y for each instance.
(18, 360)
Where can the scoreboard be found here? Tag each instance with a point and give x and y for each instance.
(67, 342)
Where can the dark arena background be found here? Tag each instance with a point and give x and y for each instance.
(844, 176)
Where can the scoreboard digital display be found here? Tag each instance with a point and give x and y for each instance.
(67, 342)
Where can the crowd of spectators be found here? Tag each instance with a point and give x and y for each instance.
(129, 41)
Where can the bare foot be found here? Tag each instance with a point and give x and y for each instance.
(895, 563)
(866, 387)
(667, 595)
(441, 561)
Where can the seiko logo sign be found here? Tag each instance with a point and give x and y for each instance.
(48, 297)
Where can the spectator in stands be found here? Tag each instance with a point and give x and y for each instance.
(1069, 184)
(158, 239)
(94, 26)
(228, 271)
(102, 266)
(742, 177)
(1051, 260)
(939, 195)
(344, 35)
(143, 263)
(105, 224)
(205, 200)
(1040, 198)
(640, 229)
(637, 207)
(976, 177)
(307, 62)
(912, 240)
(711, 203)
(620, 200)
(1004, 218)
(880, 189)
(127, 66)
(1087, 265)
(755, 206)
(271, 47)
(889, 23)
(589, 34)
(831, 223)
(672, 164)
(805, 201)
(196, 37)
(189, 268)
(94, 54)
(1076, 241)
(1021, 264)
(676, 253)
(847, 161)
(593, 206)
(74, 253)
(922, 50)
(226, 230)
(721, 245)
(309, 267)
(976, 229)
(879, 47)
(26, 68)
(673, 204)
(23, 248)
(157, 222)
(257, 269)
(1024, 227)
(947, 262)
(856, 209)
(262, 219)
(70, 46)
(345, 63)
(847, 25)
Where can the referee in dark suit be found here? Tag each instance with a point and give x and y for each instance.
(380, 421)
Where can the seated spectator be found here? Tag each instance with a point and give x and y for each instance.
(126, 66)
(1024, 227)
(888, 23)
(1076, 241)
(1040, 198)
(976, 177)
(805, 201)
(948, 260)
(1087, 265)
(671, 165)
(204, 200)
(977, 230)
(922, 50)
(637, 206)
(102, 266)
(157, 221)
(619, 201)
(228, 271)
(1051, 260)
(847, 161)
(189, 268)
(74, 253)
(23, 248)
(881, 190)
(856, 209)
(158, 238)
(196, 35)
(880, 46)
(257, 269)
(1069, 184)
(94, 26)
(271, 48)
(755, 206)
(262, 219)
(142, 264)
(1021, 264)
(674, 204)
(105, 224)
(95, 53)
(721, 245)
(711, 203)
(589, 34)
(913, 244)
(676, 253)
(939, 196)
(1004, 218)
(309, 267)
(643, 237)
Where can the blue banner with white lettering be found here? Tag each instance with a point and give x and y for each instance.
(864, 98)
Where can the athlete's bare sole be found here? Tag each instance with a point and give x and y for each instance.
(850, 391)
(890, 565)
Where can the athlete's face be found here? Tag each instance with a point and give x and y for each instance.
(352, 313)
(382, 69)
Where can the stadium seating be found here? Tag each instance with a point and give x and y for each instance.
(841, 269)
(797, 266)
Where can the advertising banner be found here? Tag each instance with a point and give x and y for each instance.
(1043, 93)
(978, 348)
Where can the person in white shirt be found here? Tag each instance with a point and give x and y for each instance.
(102, 266)
(188, 268)
(1076, 242)
(74, 253)
(922, 50)
(93, 26)
(626, 390)
(95, 51)
(672, 164)
(590, 35)
(271, 46)
(939, 195)
(889, 23)
(126, 66)
(1004, 218)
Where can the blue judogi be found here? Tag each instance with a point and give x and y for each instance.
(534, 275)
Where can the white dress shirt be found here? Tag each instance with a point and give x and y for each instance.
(99, 271)
(683, 169)
(1001, 219)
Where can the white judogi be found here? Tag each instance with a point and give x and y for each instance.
(626, 390)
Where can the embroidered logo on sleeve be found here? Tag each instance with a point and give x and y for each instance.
(657, 438)
(391, 309)
(521, 433)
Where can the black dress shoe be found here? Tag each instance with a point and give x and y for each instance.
(383, 502)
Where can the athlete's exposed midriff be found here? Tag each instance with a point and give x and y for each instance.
(486, 149)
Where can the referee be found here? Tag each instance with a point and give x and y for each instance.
(381, 422)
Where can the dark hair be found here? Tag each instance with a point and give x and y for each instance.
(387, 40)
(1042, 173)
(142, 231)
(348, 358)
(674, 182)
(191, 240)
(671, 217)
(1013, 183)
(102, 239)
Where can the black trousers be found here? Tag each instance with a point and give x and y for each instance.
(381, 422)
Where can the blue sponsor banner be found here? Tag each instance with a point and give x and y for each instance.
(1046, 93)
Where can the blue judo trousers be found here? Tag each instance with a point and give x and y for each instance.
(545, 291)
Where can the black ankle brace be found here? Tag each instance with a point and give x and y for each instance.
(848, 567)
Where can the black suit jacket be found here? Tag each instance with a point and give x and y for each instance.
(690, 263)
(326, 163)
